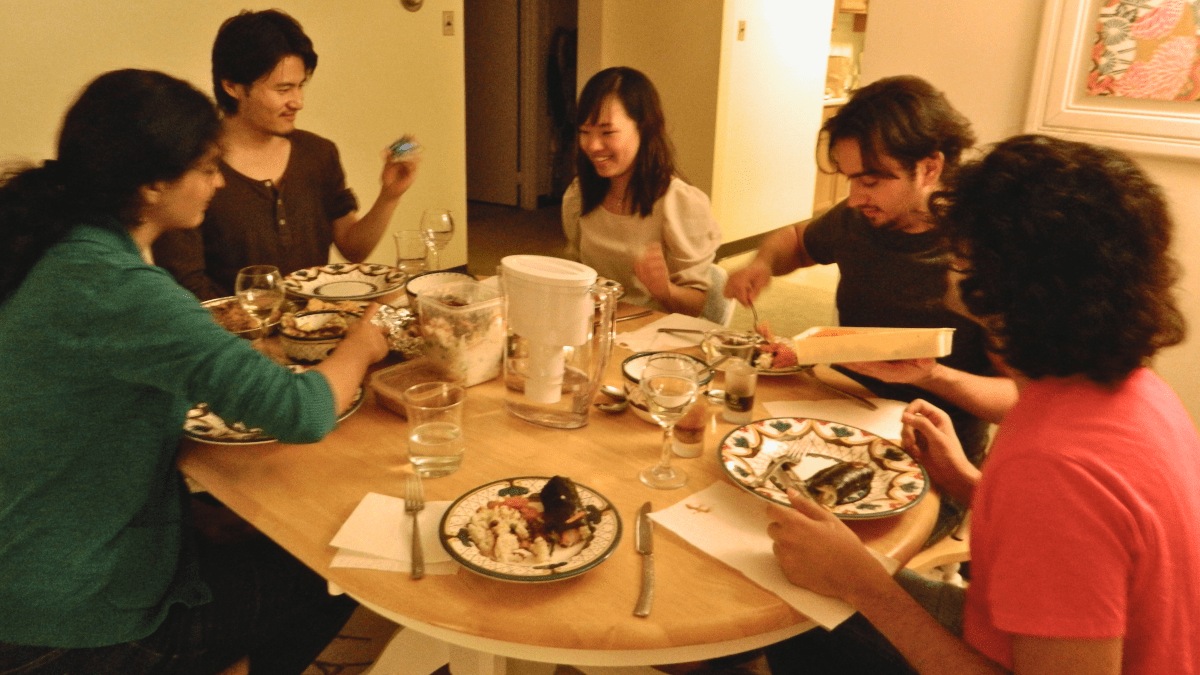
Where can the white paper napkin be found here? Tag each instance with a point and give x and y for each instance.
(884, 422)
(378, 536)
(731, 525)
(647, 338)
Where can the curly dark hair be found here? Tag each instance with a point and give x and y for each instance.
(902, 117)
(654, 164)
(250, 45)
(1066, 250)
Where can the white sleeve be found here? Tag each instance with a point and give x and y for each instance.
(572, 206)
(690, 235)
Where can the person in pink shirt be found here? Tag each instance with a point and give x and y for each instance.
(1085, 542)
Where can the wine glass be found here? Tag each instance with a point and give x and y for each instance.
(669, 382)
(437, 227)
(259, 290)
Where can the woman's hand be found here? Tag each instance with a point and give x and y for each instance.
(651, 269)
(928, 435)
(363, 345)
(817, 551)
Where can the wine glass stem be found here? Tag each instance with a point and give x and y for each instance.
(664, 461)
(434, 251)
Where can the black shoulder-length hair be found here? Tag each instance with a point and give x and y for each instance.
(654, 165)
(128, 129)
(1066, 248)
(250, 45)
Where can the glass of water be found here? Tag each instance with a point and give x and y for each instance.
(435, 440)
(669, 382)
(410, 252)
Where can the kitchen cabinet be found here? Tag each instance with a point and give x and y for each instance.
(830, 188)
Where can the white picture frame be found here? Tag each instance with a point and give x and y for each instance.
(1059, 104)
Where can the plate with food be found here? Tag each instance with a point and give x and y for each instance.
(205, 425)
(852, 472)
(345, 281)
(531, 529)
(228, 314)
(770, 354)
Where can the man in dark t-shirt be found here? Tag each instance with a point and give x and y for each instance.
(285, 199)
(897, 140)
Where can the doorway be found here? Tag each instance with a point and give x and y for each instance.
(519, 62)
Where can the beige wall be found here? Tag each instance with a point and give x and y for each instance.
(383, 71)
(985, 66)
(743, 114)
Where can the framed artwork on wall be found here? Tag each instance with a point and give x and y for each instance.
(1122, 73)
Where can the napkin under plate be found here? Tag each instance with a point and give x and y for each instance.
(648, 339)
(378, 536)
(731, 525)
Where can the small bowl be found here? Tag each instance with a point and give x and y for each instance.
(229, 303)
(631, 373)
(389, 384)
(299, 346)
(427, 280)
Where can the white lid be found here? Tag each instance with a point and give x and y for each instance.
(549, 271)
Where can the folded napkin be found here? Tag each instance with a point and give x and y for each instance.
(648, 339)
(731, 525)
(884, 422)
(378, 536)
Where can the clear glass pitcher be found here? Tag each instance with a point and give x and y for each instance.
(560, 336)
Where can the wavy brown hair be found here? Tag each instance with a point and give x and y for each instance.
(1067, 251)
(654, 164)
(902, 117)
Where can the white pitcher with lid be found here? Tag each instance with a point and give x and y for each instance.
(560, 336)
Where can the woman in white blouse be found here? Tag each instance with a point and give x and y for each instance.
(627, 215)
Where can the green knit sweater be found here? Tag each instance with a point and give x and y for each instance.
(101, 356)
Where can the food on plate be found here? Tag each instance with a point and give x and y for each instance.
(355, 307)
(230, 316)
(840, 483)
(529, 529)
(325, 325)
(775, 356)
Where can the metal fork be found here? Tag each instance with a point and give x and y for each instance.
(414, 503)
(793, 456)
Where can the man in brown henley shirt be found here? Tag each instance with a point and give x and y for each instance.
(285, 199)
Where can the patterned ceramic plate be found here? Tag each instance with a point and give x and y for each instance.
(563, 563)
(899, 482)
(205, 425)
(345, 281)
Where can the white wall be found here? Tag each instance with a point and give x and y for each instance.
(382, 71)
(985, 66)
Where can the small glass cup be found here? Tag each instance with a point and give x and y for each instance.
(741, 380)
(435, 439)
(410, 252)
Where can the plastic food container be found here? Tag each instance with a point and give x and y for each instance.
(389, 384)
(463, 324)
(843, 344)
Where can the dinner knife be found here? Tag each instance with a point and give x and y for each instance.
(643, 537)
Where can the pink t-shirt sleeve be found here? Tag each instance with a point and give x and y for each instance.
(1063, 551)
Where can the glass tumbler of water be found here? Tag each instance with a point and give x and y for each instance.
(410, 252)
(435, 439)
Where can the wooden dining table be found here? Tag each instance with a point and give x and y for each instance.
(300, 495)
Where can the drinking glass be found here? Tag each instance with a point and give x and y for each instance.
(435, 440)
(410, 252)
(669, 382)
(437, 227)
(259, 290)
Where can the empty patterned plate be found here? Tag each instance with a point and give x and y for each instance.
(205, 425)
(345, 281)
(896, 485)
(560, 562)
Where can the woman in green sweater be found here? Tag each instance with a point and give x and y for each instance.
(101, 355)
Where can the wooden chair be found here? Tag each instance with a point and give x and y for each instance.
(943, 560)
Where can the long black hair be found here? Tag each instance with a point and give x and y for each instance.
(654, 165)
(128, 129)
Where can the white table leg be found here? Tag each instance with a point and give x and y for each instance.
(410, 653)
